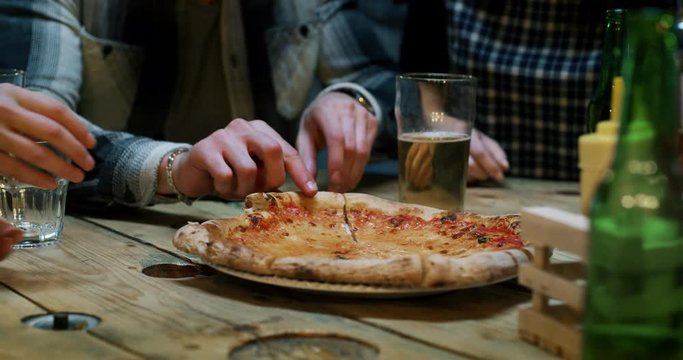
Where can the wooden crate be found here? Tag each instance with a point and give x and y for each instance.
(556, 279)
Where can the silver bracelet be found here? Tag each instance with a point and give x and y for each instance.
(169, 175)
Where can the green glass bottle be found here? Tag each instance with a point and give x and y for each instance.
(599, 106)
(634, 293)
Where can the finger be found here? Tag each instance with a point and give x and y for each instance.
(365, 135)
(244, 168)
(340, 182)
(223, 183)
(475, 172)
(307, 150)
(9, 236)
(42, 128)
(334, 138)
(204, 170)
(424, 175)
(294, 165)
(484, 160)
(23, 173)
(40, 156)
(269, 151)
(58, 111)
(408, 163)
(5, 246)
(496, 152)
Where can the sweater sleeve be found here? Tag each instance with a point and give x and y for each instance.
(43, 38)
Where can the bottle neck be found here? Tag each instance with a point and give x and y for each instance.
(650, 73)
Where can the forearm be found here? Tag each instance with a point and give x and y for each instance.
(43, 38)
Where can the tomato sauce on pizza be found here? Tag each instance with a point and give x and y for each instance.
(358, 238)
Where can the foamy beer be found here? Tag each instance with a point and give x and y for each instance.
(434, 115)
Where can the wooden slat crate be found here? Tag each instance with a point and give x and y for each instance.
(553, 320)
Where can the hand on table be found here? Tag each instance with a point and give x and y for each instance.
(27, 116)
(487, 159)
(338, 122)
(242, 158)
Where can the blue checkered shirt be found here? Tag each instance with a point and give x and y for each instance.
(537, 63)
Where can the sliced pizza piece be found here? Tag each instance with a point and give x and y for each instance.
(225, 242)
(457, 248)
(274, 226)
(322, 247)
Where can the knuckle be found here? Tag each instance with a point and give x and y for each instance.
(276, 181)
(373, 124)
(59, 109)
(363, 152)
(37, 155)
(223, 191)
(272, 149)
(336, 137)
(238, 123)
(6, 87)
(8, 110)
(247, 170)
(349, 148)
(53, 131)
(259, 122)
(225, 179)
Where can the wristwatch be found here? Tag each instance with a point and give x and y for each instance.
(359, 97)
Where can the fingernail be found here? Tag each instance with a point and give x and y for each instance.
(505, 163)
(89, 163)
(91, 140)
(312, 186)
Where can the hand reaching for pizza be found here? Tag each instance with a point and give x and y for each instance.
(347, 129)
(242, 158)
(419, 170)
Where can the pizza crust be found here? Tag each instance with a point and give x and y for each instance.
(208, 240)
(404, 270)
(478, 268)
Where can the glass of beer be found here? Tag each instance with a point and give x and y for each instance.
(434, 117)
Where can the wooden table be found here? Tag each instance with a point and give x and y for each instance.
(98, 270)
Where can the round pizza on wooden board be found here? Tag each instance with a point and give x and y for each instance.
(359, 239)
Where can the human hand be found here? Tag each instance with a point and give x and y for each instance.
(9, 236)
(339, 122)
(419, 171)
(27, 116)
(487, 159)
(242, 158)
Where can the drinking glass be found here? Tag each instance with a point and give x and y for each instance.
(38, 212)
(434, 116)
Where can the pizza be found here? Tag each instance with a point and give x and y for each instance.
(359, 239)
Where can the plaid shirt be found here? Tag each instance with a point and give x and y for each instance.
(88, 54)
(537, 63)
(355, 42)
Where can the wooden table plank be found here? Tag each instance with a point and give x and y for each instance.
(99, 273)
(21, 341)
